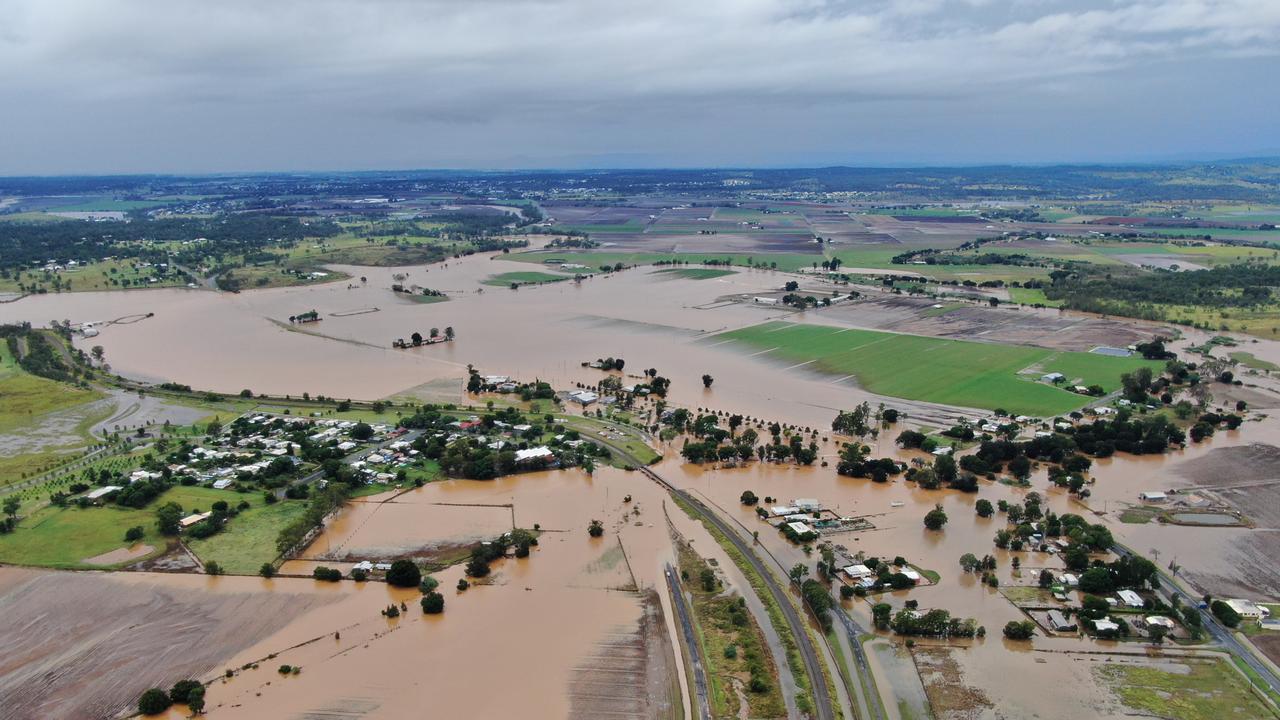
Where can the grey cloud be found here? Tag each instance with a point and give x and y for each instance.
(412, 82)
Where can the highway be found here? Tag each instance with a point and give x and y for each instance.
(691, 641)
(823, 709)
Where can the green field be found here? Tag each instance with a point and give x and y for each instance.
(249, 539)
(951, 372)
(1211, 690)
(67, 537)
(524, 277)
(1032, 296)
(694, 273)
(1248, 360)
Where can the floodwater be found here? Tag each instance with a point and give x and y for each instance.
(519, 642)
(227, 343)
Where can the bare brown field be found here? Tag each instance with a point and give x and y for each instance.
(1048, 329)
(86, 644)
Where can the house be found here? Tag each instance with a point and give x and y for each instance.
(222, 484)
(98, 494)
(1059, 622)
(583, 397)
(800, 528)
(910, 574)
(857, 572)
(190, 520)
(1130, 598)
(1152, 496)
(1105, 625)
(535, 453)
(783, 510)
(1053, 377)
(765, 301)
(1069, 580)
(1159, 621)
(1248, 609)
(807, 504)
(942, 451)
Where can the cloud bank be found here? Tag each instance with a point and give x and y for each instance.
(115, 86)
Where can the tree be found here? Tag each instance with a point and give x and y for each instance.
(935, 518)
(969, 562)
(1046, 579)
(416, 338)
(1097, 581)
(707, 380)
(404, 573)
(168, 518)
(984, 508)
(182, 689)
(11, 505)
(448, 333)
(595, 529)
(749, 498)
(1019, 630)
(154, 702)
(98, 352)
(428, 584)
(362, 431)
(267, 570)
(799, 572)
(880, 614)
(433, 603)
(1225, 613)
(195, 700)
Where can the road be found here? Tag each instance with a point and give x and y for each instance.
(691, 641)
(1225, 636)
(796, 624)
(866, 687)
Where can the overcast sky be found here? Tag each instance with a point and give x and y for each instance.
(103, 86)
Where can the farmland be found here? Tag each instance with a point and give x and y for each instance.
(521, 277)
(950, 372)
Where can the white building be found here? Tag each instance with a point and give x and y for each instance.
(800, 528)
(1152, 496)
(1130, 598)
(535, 453)
(1248, 609)
(583, 397)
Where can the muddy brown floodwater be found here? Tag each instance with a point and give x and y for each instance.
(535, 639)
(228, 342)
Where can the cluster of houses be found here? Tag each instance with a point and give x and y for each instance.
(505, 435)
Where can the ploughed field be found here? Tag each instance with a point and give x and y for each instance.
(951, 372)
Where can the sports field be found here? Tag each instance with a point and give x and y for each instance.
(951, 372)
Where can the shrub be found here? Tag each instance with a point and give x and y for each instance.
(327, 574)
(433, 603)
(267, 570)
(1019, 630)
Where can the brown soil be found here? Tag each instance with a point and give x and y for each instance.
(86, 645)
(1269, 644)
(943, 682)
(629, 673)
